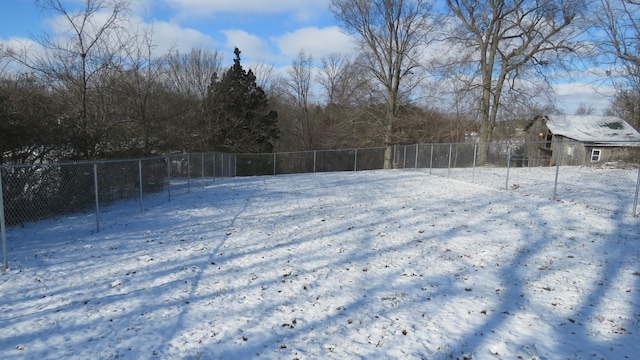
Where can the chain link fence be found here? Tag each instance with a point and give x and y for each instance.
(186, 171)
(37, 192)
(533, 169)
(564, 171)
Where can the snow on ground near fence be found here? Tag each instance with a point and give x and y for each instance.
(377, 264)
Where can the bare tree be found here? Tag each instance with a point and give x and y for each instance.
(138, 90)
(393, 34)
(584, 109)
(75, 60)
(330, 75)
(619, 20)
(298, 87)
(503, 42)
(626, 104)
(346, 87)
(187, 78)
(190, 74)
(5, 60)
(264, 73)
(28, 126)
(342, 79)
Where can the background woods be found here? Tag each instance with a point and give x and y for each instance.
(423, 72)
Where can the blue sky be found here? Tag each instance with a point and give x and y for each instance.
(266, 31)
(270, 31)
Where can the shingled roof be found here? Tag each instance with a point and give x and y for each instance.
(603, 130)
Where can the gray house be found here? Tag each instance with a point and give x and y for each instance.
(579, 140)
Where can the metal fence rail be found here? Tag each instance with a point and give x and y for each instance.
(30, 193)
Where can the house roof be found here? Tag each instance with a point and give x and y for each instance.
(605, 130)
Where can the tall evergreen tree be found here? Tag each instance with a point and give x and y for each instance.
(237, 113)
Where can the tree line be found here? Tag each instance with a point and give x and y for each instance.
(426, 71)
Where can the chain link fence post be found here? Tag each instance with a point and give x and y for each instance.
(188, 173)
(213, 163)
(222, 166)
(475, 156)
(635, 199)
(168, 160)
(449, 164)
(202, 170)
(95, 187)
(404, 157)
(431, 160)
(506, 186)
(355, 161)
(5, 262)
(140, 183)
(558, 161)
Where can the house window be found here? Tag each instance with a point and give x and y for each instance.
(595, 155)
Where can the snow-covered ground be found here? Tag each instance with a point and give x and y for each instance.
(367, 265)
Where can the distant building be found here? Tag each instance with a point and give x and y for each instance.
(579, 140)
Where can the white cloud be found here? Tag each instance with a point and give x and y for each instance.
(302, 10)
(250, 45)
(168, 35)
(17, 47)
(141, 7)
(572, 95)
(282, 50)
(16, 43)
(315, 41)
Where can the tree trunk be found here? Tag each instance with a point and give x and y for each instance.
(388, 152)
(486, 130)
(388, 157)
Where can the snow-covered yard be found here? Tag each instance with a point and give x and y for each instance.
(366, 265)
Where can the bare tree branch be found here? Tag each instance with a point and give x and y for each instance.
(393, 34)
(505, 40)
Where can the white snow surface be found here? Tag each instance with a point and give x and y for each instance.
(353, 265)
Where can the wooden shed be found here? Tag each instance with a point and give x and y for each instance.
(579, 140)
